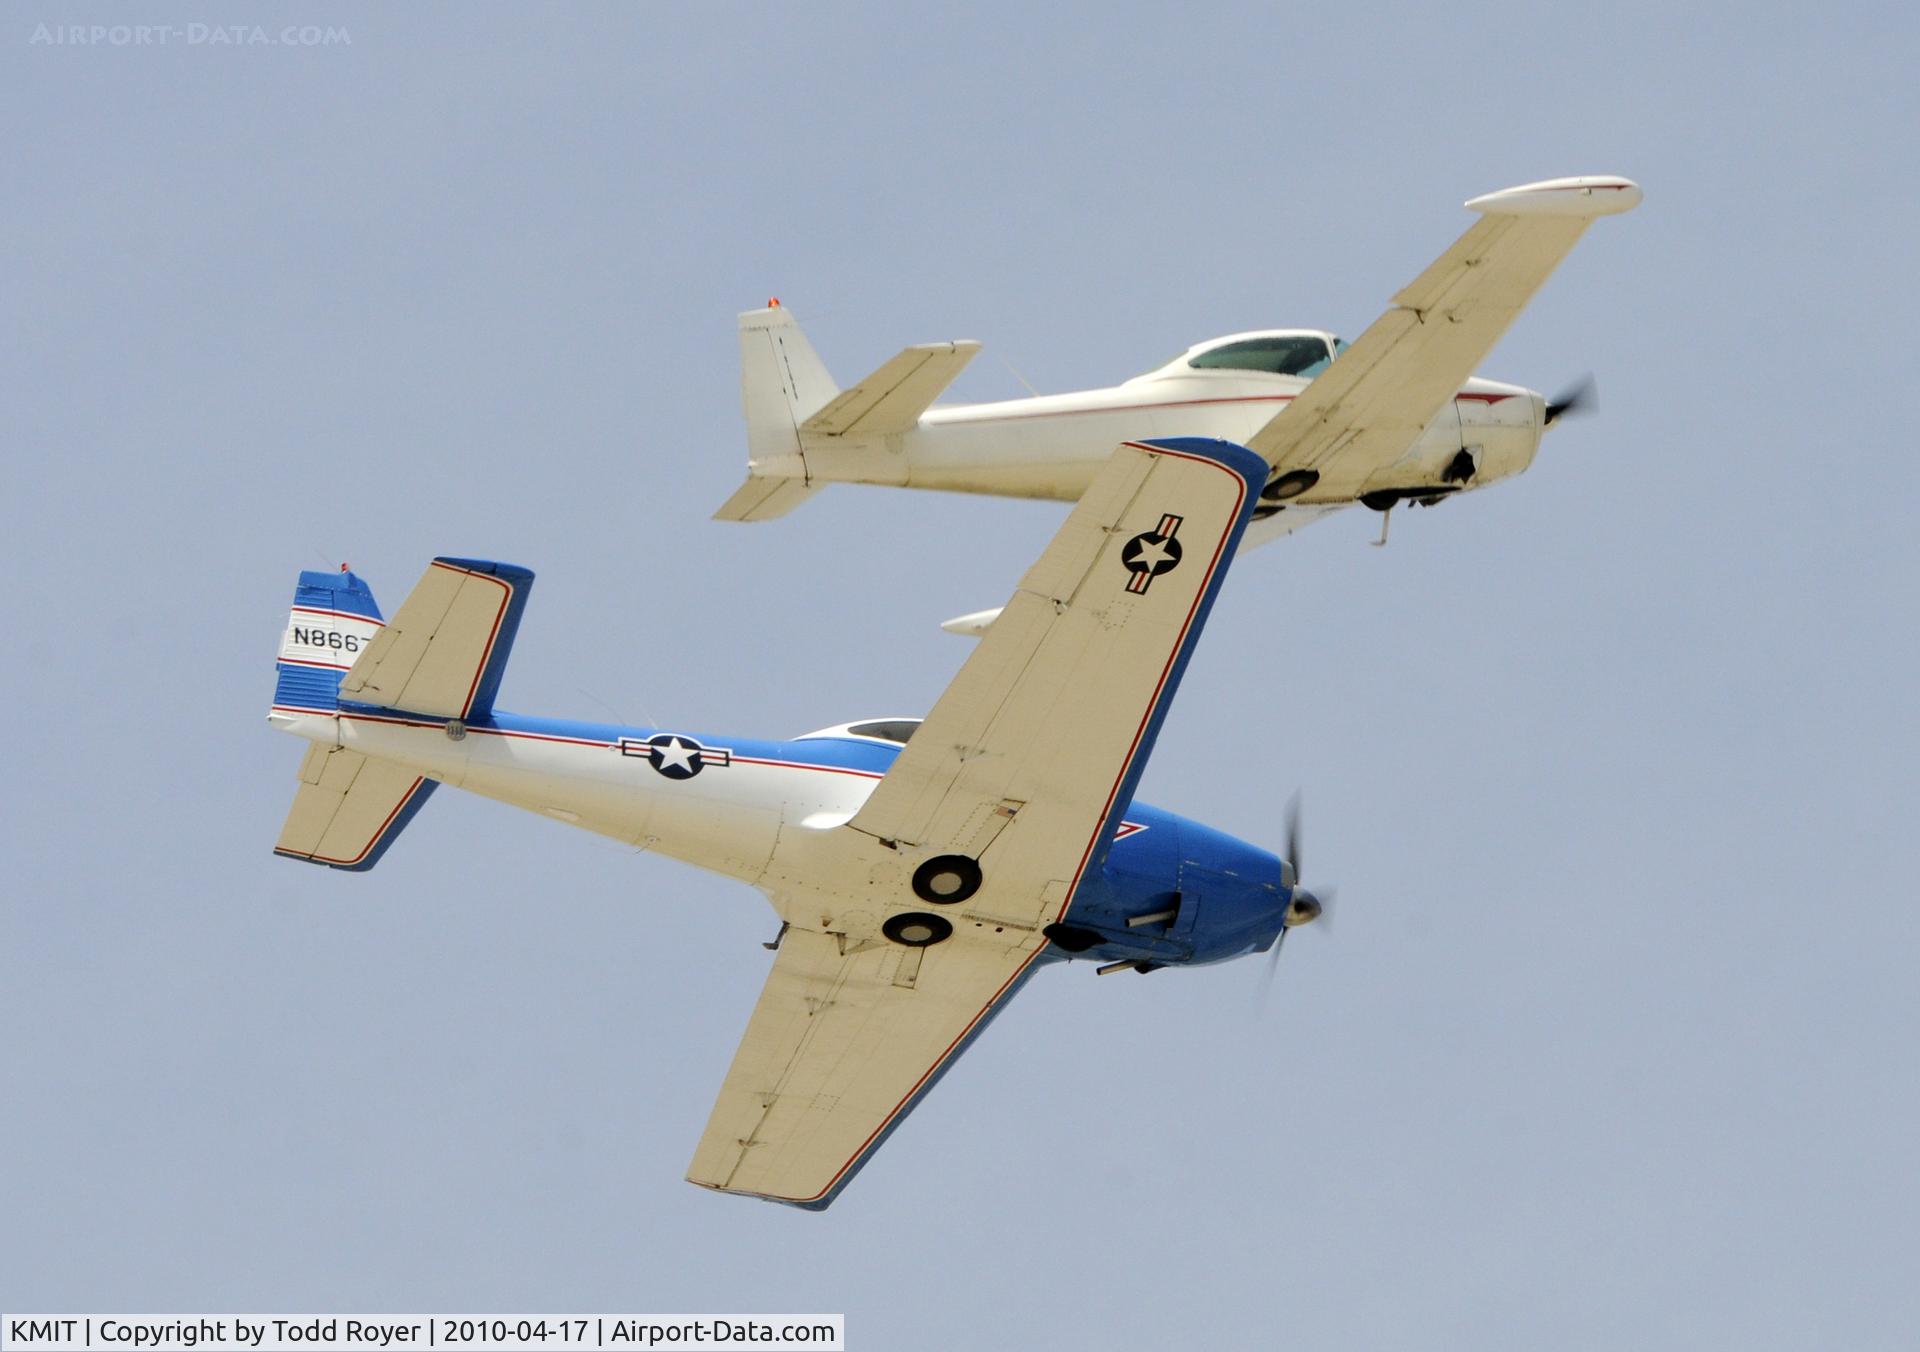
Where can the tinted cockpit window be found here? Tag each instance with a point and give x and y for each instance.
(1339, 345)
(886, 729)
(1278, 355)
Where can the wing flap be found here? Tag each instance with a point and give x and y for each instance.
(841, 1046)
(442, 653)
(893, 397)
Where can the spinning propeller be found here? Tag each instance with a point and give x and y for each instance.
(1583, 396)
(1304, 907)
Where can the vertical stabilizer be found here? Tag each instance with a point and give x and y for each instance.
(333, 620)
(782, 384)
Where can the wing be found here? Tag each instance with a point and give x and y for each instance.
(840, 1048)
(1039, 740)
(1364, 411)
(443, 652)
(1022, 768)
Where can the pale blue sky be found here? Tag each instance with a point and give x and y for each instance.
(1614, 1043)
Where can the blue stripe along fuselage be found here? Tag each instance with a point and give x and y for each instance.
(1228, 894)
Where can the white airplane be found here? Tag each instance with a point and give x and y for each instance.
(921, 872)
(1395, 416)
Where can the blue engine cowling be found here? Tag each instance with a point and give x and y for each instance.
(1211, 896)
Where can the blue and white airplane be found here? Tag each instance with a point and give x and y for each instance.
(922, 871)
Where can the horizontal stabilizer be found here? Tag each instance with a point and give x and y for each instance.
(349, 808)
(444, 650)
(763, 497)
(893, 397)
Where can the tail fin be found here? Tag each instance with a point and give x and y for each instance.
(440, 658)
(347, 808)
(782, 384)
(333, 620)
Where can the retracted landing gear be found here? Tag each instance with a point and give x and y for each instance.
(1139, 965)
(917, 929)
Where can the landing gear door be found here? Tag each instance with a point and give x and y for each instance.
(1427, 460)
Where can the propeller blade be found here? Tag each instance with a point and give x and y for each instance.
(1582, 396)
(1293, 837)
(1326, 896)
(1272, 966)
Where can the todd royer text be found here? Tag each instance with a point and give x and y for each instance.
(239, 1331)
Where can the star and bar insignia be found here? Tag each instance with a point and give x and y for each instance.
(1151, 553)
(675, 756)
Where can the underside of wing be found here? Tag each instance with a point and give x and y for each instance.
(845, 1041)
(912, 923)
(1035, 747)
(1368, 408)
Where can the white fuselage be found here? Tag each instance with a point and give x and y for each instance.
(1051, 446)
(730, 817)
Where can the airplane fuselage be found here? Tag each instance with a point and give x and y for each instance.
(761, 811)
(1052, 445)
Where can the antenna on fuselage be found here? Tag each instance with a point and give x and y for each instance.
(1022, 379)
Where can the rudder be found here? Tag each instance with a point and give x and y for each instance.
(783, 382)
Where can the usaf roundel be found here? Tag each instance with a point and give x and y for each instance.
(676, 756)
(1151, 553)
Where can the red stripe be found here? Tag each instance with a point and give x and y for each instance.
(357, 716)
(802, 765)
(1180, 403)
(1133, 408)
(368, 848)
(343, 614)
(541, 737)
(487, 653)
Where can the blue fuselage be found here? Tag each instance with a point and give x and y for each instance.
(1227, 896)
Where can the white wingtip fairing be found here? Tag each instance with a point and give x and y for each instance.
(974, 625)
(1594, 195)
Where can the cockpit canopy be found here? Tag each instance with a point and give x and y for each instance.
(1302, 353)
(895, 730)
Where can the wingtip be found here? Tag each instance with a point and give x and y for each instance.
(973, 625)
(1590, 195)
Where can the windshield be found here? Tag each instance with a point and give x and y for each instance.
(1339, 345)
(886, 729)
(1277, 354)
